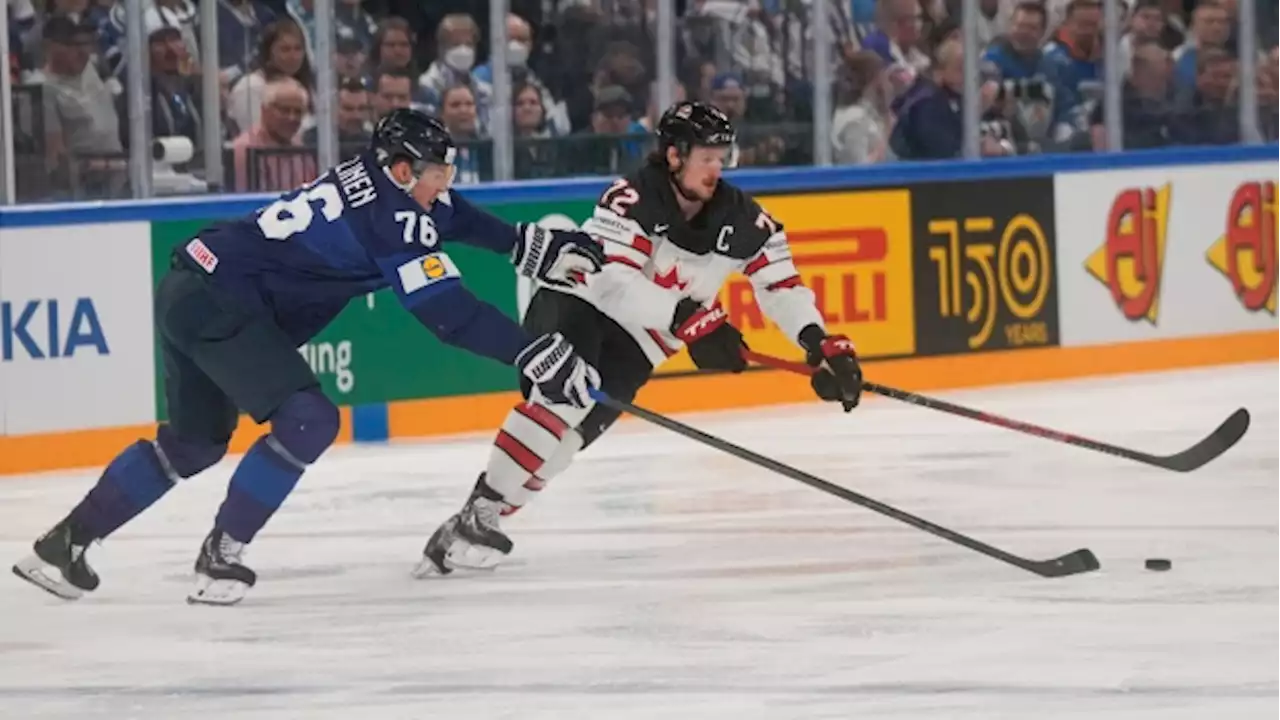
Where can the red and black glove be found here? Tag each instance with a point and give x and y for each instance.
(839, 378)
(713, 343)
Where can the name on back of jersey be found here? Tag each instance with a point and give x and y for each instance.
(357, 186)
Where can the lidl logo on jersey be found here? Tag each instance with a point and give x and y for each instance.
(50, 329)
(426, 271)
(1246, 251)
(1130, 262)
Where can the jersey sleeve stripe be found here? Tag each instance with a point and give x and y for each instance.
(643, 244)
(761, 262)
(783, 284)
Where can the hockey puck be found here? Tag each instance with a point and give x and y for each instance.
(1160, 564)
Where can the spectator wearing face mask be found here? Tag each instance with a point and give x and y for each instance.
(456, 41)
(519, 47)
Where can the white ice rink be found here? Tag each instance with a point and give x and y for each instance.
(660, 579)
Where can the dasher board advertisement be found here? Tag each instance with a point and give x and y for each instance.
(1166, 252)
(984, 265)
(76, 337)
(853, 250)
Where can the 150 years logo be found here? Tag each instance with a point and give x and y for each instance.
(984, 258)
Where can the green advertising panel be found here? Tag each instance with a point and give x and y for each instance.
(375, 351)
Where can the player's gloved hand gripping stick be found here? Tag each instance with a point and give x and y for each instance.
(1219, 441)
(557, 371)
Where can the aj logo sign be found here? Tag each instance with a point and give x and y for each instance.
(1246, 252)
(1131, 260)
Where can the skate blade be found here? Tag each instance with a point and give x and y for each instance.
(217, 592)
(465, 556)
(46, 577)
(461, 556)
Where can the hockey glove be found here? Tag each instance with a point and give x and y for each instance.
(555, 257)
(839, 378)
(713, 343)
(557, 371)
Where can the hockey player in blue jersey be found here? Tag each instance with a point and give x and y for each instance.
(243, 295)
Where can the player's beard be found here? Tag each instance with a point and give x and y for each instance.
(700, 192)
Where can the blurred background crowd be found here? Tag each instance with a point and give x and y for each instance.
(583, 77)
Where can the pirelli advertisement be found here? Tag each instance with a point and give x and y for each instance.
(922, 270)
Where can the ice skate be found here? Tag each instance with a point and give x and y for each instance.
(472, 539)
(58, 565)
(221, 579)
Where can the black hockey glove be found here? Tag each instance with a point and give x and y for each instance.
(713, 343)
(557, 371)
(555, 257)
(839, 378)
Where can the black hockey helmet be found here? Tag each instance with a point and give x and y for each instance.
(687, 125)
(405, 133)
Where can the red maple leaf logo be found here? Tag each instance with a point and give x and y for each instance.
(670, 278)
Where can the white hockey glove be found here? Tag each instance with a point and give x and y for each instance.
(557, 371)
(555, 257)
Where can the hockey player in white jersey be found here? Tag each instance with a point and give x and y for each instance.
(673, 232)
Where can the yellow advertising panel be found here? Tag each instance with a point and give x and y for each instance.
(853, 249)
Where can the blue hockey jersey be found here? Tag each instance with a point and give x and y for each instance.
(349, 232)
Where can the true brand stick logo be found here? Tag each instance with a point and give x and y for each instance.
(1131, 260)
(1246, 252)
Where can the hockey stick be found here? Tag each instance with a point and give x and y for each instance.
(1080, 561)
(1219, 441)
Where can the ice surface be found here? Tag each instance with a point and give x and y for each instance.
(660, 579)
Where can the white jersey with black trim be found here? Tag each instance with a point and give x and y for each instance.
(656, 258)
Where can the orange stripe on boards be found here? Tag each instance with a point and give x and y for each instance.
(485, 413)
(94, 448)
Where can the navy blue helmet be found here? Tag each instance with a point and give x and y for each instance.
(408, 134)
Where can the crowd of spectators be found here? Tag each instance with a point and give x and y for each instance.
(583, 75)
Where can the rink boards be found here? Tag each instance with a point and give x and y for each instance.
(948, 275)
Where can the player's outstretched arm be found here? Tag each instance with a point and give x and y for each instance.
(431, 289)
(554, 257)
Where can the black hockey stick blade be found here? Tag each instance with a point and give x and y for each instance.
(1080, 561)
(1218, 442)
(1073, 563)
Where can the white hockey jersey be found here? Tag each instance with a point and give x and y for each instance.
(656, 257)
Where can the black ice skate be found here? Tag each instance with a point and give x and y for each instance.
(221, 579)
(471, 539)
(55, 551)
